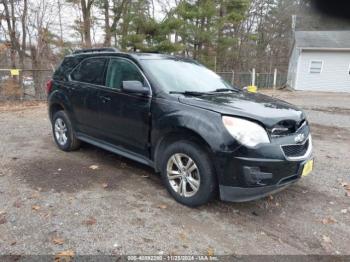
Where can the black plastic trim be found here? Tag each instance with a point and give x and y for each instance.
(115, 149)
(244, 194)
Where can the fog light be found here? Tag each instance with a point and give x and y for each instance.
(254, 176)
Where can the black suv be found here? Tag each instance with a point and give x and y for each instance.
(204, 136)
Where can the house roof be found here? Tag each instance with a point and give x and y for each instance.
(322, 39)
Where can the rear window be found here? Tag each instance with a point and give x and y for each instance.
(91, 71)
(68, 64)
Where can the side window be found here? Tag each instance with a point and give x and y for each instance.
(316, 67)
(90, 71)
(67, 65)
(120, 70)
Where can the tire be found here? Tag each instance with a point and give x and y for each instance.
(63, 132)
(200, 174)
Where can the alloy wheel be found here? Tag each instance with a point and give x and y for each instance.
(183, 175)
(61, 131)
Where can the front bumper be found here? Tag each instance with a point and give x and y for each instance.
(243, 178)
(243, 194)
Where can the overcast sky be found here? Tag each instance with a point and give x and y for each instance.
(69, 14)
(48, 9)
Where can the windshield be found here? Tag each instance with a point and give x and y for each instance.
(183, 76)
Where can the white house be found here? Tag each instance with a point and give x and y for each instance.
(320, 61)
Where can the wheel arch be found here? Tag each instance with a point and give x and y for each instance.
(57, 101)
(54, 108)
(180, 133)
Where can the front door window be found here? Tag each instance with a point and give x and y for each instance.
(120, 70)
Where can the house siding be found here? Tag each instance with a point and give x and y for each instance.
(293, 67)
(334, 77)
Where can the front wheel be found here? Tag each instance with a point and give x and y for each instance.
(188, 173)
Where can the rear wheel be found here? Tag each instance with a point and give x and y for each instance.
(188, 173)
(63, 132)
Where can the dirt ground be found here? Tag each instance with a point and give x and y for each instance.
(95, 202)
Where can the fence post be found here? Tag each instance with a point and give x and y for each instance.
(275, 79)
(253, 77)
(215, 64)
(233, 78)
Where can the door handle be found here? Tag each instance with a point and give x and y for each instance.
(105, 99)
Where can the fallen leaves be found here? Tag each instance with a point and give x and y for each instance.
(326, 239)
(94, 167)
(162, 206)
(35, 195)
(3, 219)
(58, 241)
(36, 207)
(183, 236)
(17, 204)
(64, 255)
(346, 186)
(328, 221)
(90, 221)
(210, 252)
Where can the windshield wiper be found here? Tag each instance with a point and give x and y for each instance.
(190, 93)
(225, 90)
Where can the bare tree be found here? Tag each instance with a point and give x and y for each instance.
(17, 39)
(112, 11)
(86, 6)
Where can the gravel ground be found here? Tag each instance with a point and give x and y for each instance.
(95, 202)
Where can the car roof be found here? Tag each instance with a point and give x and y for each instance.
(135, 56)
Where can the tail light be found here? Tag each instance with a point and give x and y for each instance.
(49, 86)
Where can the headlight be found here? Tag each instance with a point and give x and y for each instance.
(246, 132)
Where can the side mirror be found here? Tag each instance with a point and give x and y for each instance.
(135, 87)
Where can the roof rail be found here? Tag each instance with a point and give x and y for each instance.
(90, 50)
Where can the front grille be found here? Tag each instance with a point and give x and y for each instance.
(296, 150)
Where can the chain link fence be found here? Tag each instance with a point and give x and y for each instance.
(28, 84)
(262, 80)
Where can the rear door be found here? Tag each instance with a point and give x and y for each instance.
(124, 117)
(83, 87)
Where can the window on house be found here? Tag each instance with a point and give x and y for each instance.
(316, 67)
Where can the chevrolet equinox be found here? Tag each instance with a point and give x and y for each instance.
(204, 136)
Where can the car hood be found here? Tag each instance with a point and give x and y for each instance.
(267, 110)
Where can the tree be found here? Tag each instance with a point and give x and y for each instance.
(140, 31)
(112, 12)
(85, 7)
(17, 40)
(207, 28)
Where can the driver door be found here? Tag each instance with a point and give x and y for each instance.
(124, 117)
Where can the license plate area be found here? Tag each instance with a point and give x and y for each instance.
(308, 167)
